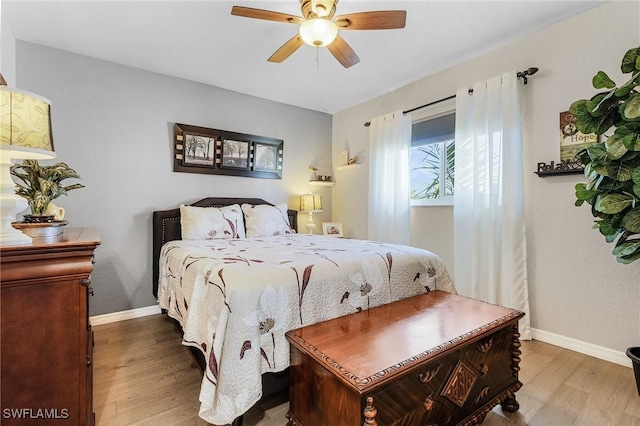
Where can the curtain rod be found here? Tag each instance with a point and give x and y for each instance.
(522, 74)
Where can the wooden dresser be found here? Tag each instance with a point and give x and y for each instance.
(47, 342)
(433, 359)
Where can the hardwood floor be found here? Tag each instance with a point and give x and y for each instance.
(144, 376)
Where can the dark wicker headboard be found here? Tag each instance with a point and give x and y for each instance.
(166, 226)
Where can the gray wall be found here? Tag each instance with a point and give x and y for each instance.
(579, 295)
(7, 52)
(114, 125)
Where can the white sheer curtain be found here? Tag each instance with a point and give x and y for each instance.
(489, 229)
(389, 145)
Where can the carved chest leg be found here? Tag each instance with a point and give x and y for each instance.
(370, 413)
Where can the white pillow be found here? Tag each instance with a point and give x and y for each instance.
(263, 220)
(208, 223)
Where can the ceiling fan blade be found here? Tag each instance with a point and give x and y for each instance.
(343, 52)
(378, 20)
(268, 15)
(287, 49)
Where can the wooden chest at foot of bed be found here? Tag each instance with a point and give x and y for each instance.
(437, 358)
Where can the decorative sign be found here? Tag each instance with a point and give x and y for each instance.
(212, 151)
(571, 140)
(564, 167)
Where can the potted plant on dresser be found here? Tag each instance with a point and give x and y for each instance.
(39, 185)
(612, 166)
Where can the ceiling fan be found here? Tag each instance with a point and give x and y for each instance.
(319, 27)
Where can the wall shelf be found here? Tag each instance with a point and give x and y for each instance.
(321, 182)
(349, 166)
(547, 173)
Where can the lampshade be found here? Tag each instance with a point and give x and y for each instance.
(25, 132)
(25, 124)
(310, 203)
(318, 32)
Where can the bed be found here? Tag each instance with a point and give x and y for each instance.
(236, 289)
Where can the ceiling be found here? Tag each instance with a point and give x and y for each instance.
(201, 41)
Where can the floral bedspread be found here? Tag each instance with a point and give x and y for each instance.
(235, 300)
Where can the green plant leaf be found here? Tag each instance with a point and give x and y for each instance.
(610, 185)
(631, 142)
(594, 181)
(632, 108)
(636, 189)
(613, 203)
(630, 258)
(590, 173)
(619, 171)
(606, 228)
(631, 220)
(602, 80)
(626, 248)
(631, 61)
(598, 152)
(582, 193)
(583, 157)
(612, 237)
(636, 175)
(626, 88)
(615, 146)
(628, 128)
(601, 104)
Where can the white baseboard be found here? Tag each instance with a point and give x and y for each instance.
(125, 315)
(600, 352)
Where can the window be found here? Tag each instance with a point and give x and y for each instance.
(432, 161)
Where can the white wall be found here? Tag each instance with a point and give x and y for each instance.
(114, 125)
(577, 289)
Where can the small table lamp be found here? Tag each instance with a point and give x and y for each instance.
(310, 203)
(25, 133)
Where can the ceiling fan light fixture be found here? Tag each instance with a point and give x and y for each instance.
(318, 32)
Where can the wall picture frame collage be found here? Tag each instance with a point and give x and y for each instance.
(213, 151)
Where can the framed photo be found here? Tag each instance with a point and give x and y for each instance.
(199, 149)
(235, 154)
(332, 229)
(265, 157)
(213, 151)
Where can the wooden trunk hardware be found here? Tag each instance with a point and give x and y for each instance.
(47, 342)
(433, 359)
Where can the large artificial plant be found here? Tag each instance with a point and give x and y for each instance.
(41, 184)
(612, 166)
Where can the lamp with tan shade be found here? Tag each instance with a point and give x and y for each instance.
(25, 133)
(310, 203)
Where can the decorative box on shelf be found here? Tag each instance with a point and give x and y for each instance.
(321, 180)
(565, 167)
